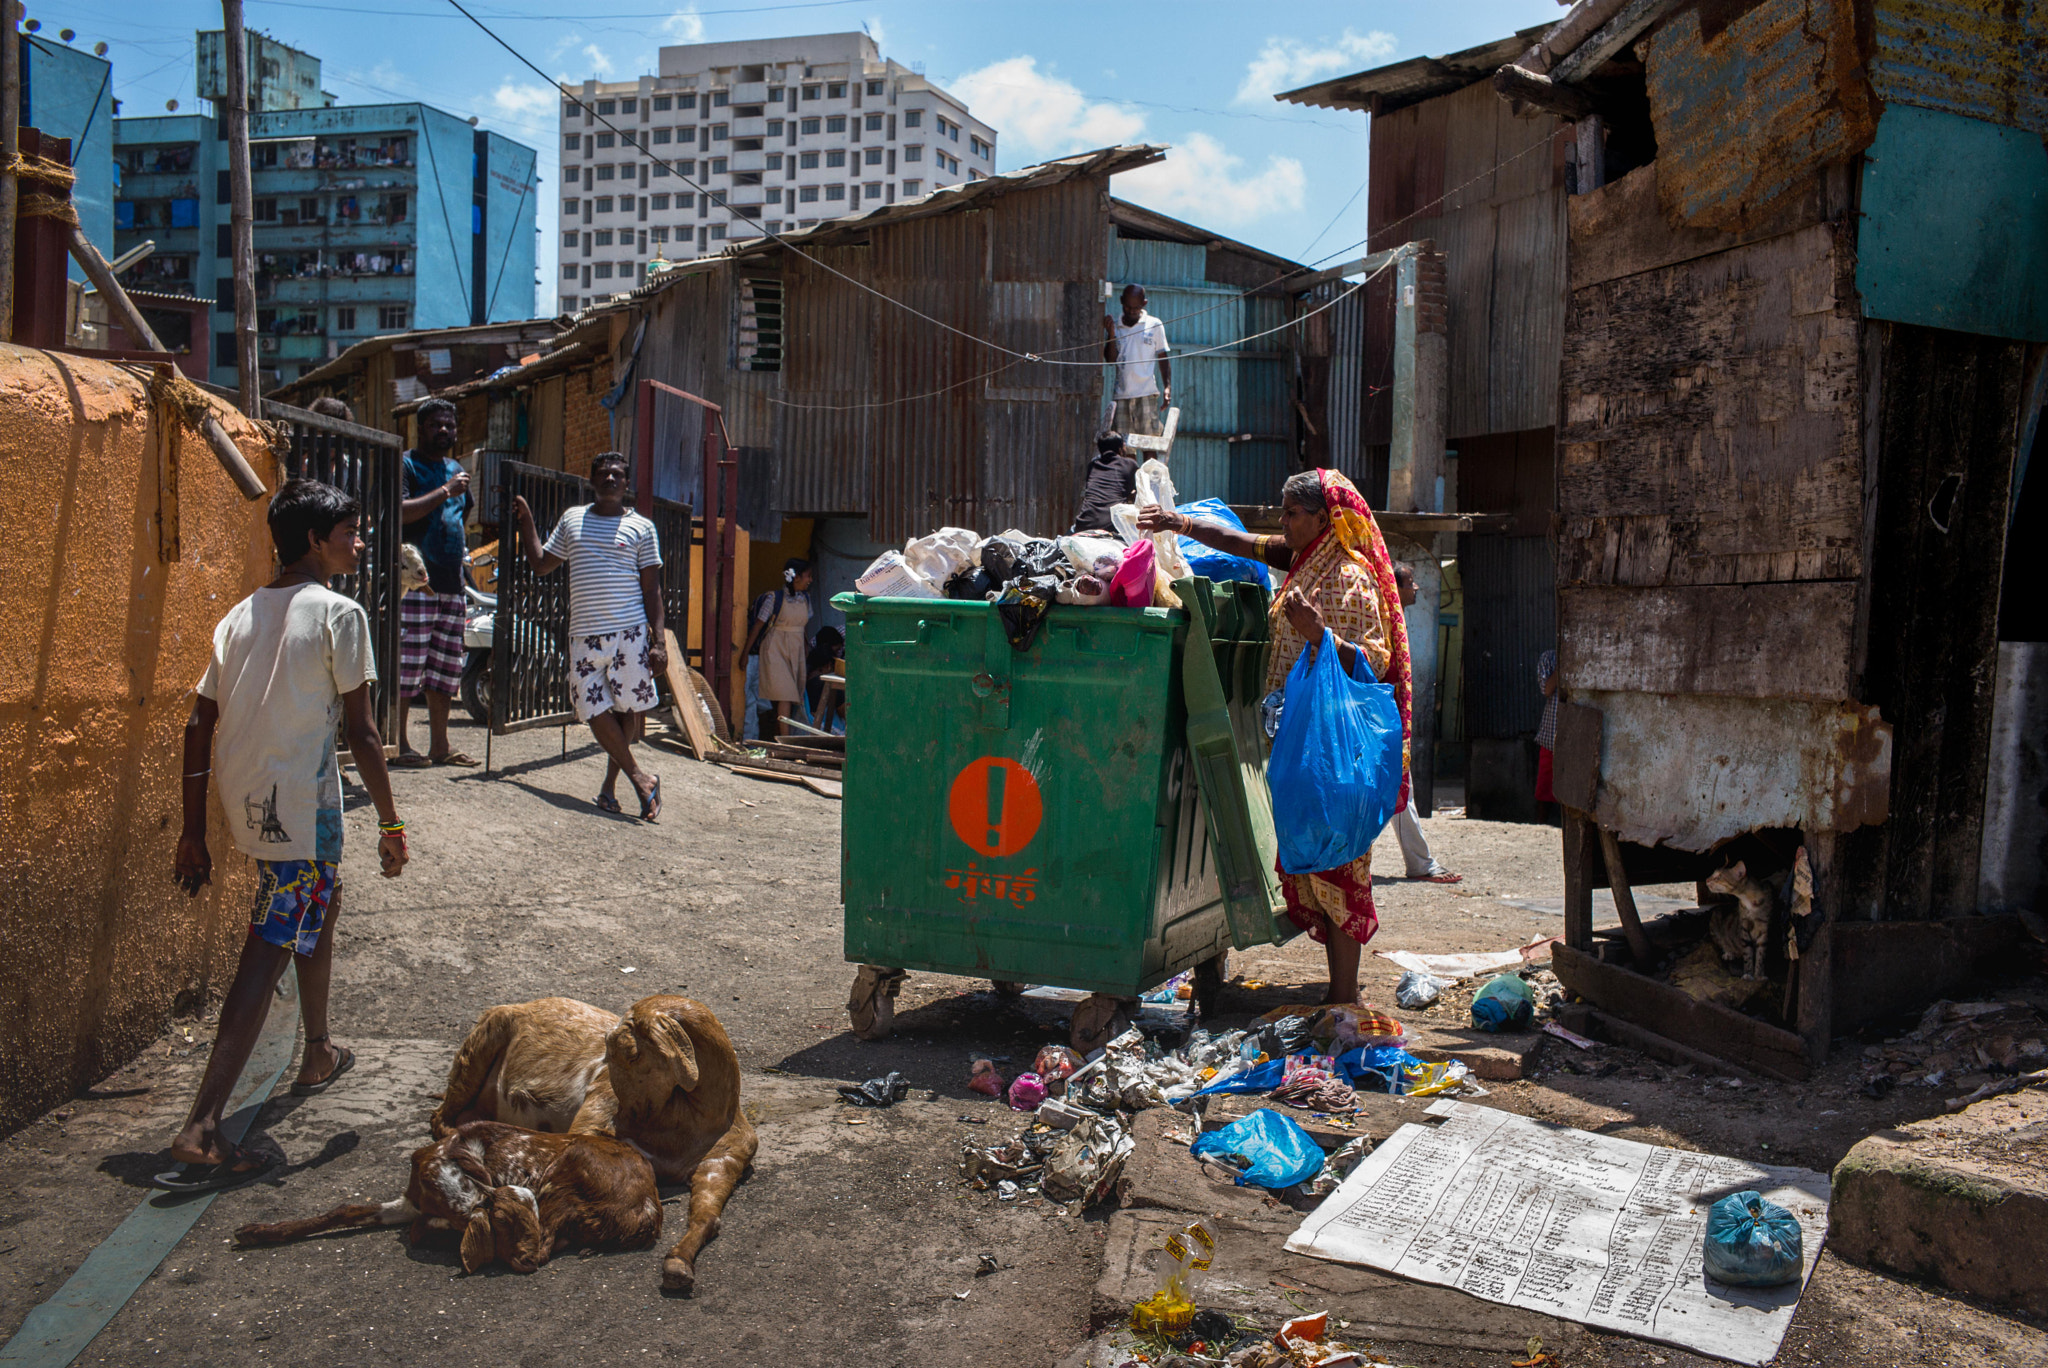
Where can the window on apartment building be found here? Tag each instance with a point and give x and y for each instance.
(345, 318)
(836, 124)
(719, 98)
(975, 175)
(603, 204)
(718, 232)
(689, 168)
(775, 128)
(686, 102)
(625, 171)
(570, 109)
(657, 234)
(685, 201)
(774, 162)
(836, 157)
(661, 103)
(812, 92)
(390, 317)
(586, 244)
(687, 133)
(660, 202)
(980, 148)
(586, 277)
(757, 341)
(872, 157)
(874, 123)
(659, 135)
(718, 132)
(606, 140)
(570, 208)
(309, 320)
(661, 169)
(774, 94)
(569, 270)
(746, 178)
(835, 191)
(602, 270)
(607, 106)
(873, 190)
(808, 194)
(811, 125)
(874, 87)
(746, 144)
(807, 160)
(913, 188)
(835, 90)
(266, 210)
(748, 111)
(604, 172)
(571, 239)
(913, 118)
(571, 142)
(914, 152)
(718, 166)
(626, 107)
(603, 237)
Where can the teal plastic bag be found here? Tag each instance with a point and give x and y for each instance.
(1267, 1149)
(1504, 1004)
(1752, 1243)
(1335, 770)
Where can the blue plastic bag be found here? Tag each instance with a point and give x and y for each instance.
(1335, 770)
(1506, 1003)
(1377, 1068)
(1276, 1152)
(1207, 560)
(1259, 1078)
(1752, 1243)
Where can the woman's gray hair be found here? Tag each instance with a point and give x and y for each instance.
(1306, 489)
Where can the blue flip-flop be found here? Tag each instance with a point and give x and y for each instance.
(605, 802)
(650, 806)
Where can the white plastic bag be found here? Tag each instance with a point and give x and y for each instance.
(1084, 551)
(1155, 487)
(891, 577)
(939, 555)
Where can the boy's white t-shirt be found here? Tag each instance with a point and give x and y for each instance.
(282, 659)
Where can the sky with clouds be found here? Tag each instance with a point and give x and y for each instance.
(1051, 76)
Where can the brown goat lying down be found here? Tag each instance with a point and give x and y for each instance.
(516, 1195)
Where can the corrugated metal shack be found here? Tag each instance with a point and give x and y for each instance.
(1450, 164)
(843, 405)
(1801, 367)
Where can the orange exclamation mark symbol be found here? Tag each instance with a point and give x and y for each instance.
(996, 775)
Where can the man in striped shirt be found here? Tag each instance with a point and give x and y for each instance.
(617, 624)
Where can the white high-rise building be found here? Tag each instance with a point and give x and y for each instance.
(783, 132)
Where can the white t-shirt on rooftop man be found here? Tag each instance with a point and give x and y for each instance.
(606, 556)
(1138, 349)
(282, 659)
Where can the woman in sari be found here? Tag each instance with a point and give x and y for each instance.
(1340, 577)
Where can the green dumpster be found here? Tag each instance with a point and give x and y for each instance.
(1089, 813)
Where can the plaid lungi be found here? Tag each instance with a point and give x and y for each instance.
(430, 643)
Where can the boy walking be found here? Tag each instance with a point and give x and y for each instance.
(617, 620)
(290, 664)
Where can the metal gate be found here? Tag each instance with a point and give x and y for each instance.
(672, 525)
(530, 642)
(364, 462)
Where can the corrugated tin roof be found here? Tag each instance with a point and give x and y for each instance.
(1420, 78)
(351, 358)
(1979, 58)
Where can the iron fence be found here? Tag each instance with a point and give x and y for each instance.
(530, 641)
(365, 463)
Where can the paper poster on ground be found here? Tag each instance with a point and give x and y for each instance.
(1584, 1227)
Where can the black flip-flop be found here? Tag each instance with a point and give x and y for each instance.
(456, 758)
(605, 802)
(650, 806)
(348, 1061)
(215, 1177)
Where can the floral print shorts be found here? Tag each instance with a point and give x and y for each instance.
(609, 673)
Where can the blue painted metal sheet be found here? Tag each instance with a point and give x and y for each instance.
(1201, 468)
(1156, 263)
(1257, 470)
(1955, 225)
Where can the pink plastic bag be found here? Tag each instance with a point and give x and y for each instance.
(1027, 1092)
(1132, 587)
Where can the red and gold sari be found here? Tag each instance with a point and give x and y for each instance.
(1348, 575)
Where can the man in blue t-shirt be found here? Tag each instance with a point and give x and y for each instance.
(435, 490)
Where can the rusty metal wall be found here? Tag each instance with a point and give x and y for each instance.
(1510, 619)
(1488, 188)
(1748, 114)
(1982, 59)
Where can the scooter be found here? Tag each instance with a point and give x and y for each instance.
(478, 632)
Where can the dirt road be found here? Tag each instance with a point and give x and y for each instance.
(852, 1243)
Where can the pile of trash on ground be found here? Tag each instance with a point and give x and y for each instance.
(1972, 1049)
(1312, 1061)
(1025, 576)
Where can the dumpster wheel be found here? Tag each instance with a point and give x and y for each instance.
(1008, 988)
(871, 1006)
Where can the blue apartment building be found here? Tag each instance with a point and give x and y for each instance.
(69, 93)
(368, 219)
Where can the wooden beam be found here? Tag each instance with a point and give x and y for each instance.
(1520, 83)
(1579, 843)
(1814, 970)
(1625, 902)
(683, 689)
(1608, 40)
(10, 141)
(1707, 1026)
(1365, 265)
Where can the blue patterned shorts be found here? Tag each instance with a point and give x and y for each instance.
(292, 898)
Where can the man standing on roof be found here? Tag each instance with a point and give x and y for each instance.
(1136, 345)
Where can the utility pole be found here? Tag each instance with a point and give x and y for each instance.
(242, 241)
(10, 144)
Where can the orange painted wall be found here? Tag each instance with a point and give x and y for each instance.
(125, 542)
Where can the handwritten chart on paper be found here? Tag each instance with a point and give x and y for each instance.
(1584, 1227)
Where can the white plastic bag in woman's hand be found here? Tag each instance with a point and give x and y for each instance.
(1155, 487)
